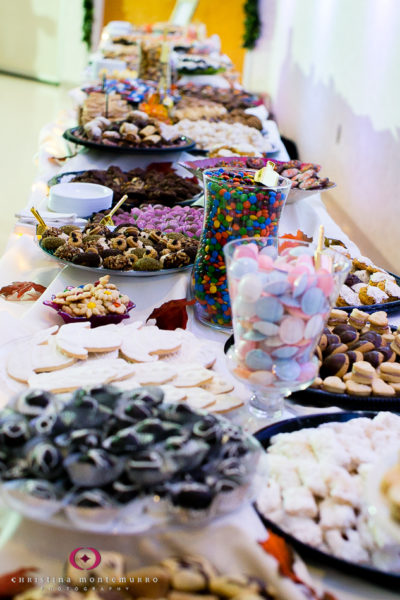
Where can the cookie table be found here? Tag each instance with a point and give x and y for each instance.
(25, 543)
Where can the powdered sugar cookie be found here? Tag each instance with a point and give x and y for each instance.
(129, 383)
(154, 373)
(225, 403)
(218, 385)
(193, 376)
(198, 398)
(42, 336)
(78, 339)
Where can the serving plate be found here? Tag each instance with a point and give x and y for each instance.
(196, 167)
(386, 579)
(322, 399)
(115, 272)
(71, 136)
(389, 307)
(68, 176)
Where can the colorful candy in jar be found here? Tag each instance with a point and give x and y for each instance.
(280, 305)
(235, 207)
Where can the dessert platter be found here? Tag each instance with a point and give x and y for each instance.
(315, 494)
(158, 183)
(124, 250)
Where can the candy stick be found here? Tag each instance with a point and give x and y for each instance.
(108, 219)
(318, 252)
(107, 105)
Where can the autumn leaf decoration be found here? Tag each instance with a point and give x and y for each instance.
(284, 240)
(8, 588)
(172, 314)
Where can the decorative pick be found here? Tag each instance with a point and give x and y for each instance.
(104, 81)
(106, 112)
(267, 175)
(41, 228)
(320, 245)
(107, 220)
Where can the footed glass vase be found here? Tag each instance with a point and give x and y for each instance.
(281, 296)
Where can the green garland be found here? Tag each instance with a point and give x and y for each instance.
(87, 24)
(252, 24)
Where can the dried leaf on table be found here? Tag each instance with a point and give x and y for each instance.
(283, 553)
(9, 589)
(172, 314)
(300, 236)
(22, 291)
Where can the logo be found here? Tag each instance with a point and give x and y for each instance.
(85, 559)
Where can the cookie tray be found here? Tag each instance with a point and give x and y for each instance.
(382, 578)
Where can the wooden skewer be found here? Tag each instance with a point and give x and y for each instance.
(320, 245)
(107, 220)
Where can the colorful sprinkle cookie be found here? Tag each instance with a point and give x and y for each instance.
(236, 207)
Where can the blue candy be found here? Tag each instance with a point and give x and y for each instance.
(312, 301)
(243, 265)
(287, 370)
(299, 285)
(253, 336)
(269, 308)
(277, 283)
(258, 360)
(285, 352)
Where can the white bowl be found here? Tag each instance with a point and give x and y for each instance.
(83, 199)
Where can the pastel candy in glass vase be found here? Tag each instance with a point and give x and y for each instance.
(281, 300)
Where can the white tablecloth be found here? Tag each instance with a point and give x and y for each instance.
(23, 543)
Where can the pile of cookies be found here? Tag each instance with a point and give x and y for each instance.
(359, 355)
(99, 104)
(126, 248)
(100, 298)
(137, 130)
(63, 359)
(390, 488)
(366, 284)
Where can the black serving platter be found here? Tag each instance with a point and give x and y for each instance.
(382, 578)
(71, 136)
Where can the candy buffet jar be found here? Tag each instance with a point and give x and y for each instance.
(281, 299)
(235, 207)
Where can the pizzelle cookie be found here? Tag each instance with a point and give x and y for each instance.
(78, 339)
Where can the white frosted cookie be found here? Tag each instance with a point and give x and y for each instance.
(218, 385)
(83, 375)
(148, 343)
(173, 394)
(47, 357)
(225, 403)
(78, 339)
(193, 376)
(154, 373)
(19, 362)
(198, 398)
(42, 336)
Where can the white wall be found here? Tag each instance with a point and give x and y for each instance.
(332, 68)
(42, 39)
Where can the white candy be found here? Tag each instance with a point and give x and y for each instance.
(250, 287)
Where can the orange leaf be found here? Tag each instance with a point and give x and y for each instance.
(300, 236)
(279, 549)
(9, 588)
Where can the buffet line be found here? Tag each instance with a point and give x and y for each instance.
(166, 216)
